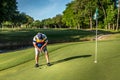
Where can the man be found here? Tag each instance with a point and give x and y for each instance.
(40, 42)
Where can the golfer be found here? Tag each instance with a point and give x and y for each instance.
(40, 43)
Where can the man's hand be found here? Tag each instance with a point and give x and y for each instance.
(43, 46)
(40, 49)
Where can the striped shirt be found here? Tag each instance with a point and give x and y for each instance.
(40, 39)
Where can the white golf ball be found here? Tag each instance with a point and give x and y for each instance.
(95, 61)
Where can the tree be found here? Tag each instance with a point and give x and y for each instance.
(110, 18)
(8, 8)
(79, 13)
(58, 20)
(68, 15)
(47, 22)
(89, 10)
(118, 13)
(29, 20)
(37, 24)
(19, 19)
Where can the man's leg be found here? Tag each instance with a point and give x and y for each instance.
(46, 56)
(47, 59)
(36, 57)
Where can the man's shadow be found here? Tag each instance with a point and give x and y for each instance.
(70, 58)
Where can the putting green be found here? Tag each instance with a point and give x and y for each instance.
(71, 61)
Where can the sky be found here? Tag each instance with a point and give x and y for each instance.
(42, 9)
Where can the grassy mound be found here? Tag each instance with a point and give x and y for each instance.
(71, 61)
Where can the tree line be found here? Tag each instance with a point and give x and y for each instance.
(78, 14)
(11, 17)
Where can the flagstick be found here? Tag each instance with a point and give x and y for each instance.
(96, 42)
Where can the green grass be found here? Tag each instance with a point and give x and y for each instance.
(27, 35)
(54, 35)
(71, 61)
(21, 56)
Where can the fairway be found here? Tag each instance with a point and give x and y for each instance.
(71, 61)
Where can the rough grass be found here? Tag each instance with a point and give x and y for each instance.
(27, 35)
(54, 35)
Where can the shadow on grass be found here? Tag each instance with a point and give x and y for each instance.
(70, 58)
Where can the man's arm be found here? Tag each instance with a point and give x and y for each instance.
(46, 41)
(44, 45)
(34, 44)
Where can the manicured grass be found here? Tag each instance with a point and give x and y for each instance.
(11, 59)
(71, 61)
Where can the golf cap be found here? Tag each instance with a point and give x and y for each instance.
(39, 35)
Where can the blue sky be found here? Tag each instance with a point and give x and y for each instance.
(42, 9)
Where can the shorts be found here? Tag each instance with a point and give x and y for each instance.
(44, 50)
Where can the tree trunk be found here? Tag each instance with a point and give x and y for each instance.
(55, 26)
(113, 27)
(91, 23)
(109, 26)
(118, 18)
(103, 9)
(59, 25)
(106, 27)
(0, 25)
(78, 26)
